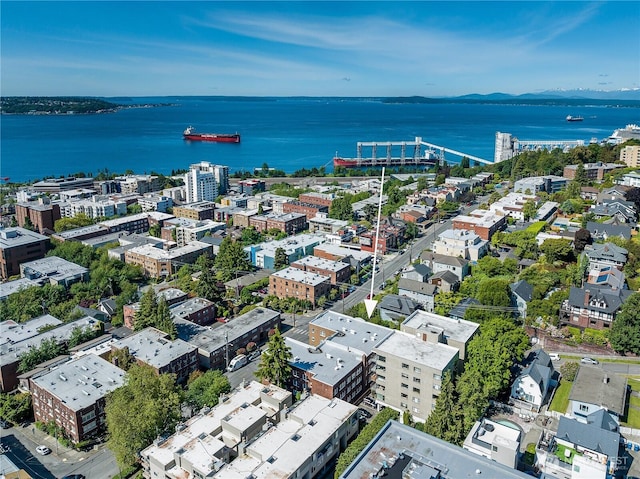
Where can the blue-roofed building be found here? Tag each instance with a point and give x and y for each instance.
(521, 294)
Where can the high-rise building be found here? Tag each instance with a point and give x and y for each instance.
(630, 155)
(205, 181)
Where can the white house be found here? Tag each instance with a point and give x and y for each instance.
(531, 387)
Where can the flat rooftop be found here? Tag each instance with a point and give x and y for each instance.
(289, 245)
(212, 338)
(458, 330)
(52, 267)
(12, 332)
(190, 306)
(299, 276)
(434, 355)
(80, 382)
(14, 237)
(152, 347)
(412, 454)
(352, 332)
(159, 254)
(84, 230)
(14, 286)
(156, 215)
(342, 251)
(328, 364)
(321, 263)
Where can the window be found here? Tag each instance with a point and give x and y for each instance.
(405, 376)
(381, 378)
(584, 408)
(403, 385)
(417, 370)
(416, 390)
(416, 410)
(404, 395)
(416, 380)
(436, 387)
(437, 377)
(416, 400)
(382, 359)
(405, 366)
(403, 404)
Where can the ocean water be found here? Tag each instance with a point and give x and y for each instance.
(285, 133)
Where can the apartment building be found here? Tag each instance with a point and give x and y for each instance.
(401, 451)
(19, 245)
(195, 231)
(242, 218)
(158, 263)
(630, 156)
(593, 171)
(95, 207)
(55, 271)
(56, 185)
(310, 210)
(140, 184)
(139, 223)
(337, 271)
(151, 202)
(255, 431)
(495, 441)
(154, 348)
(197, 310)
(484, 223)
(251, 187)
(290, 223)
(29, 337)
(198, 211)
(217, 344)
(73, 395)
(82, 233)
(295, 283)
(320, 199)
(322, 223)
(262, 255)
(41, 214)
(535, 184)
(409, 373)
(461, 243)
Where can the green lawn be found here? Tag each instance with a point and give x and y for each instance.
(560, 401)
(560, 453)
(634, 401)
(633, 418)
(634, 384)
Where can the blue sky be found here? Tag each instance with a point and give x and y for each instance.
(364, 48)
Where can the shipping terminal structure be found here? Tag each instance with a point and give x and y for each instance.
(411, 154)
(190, 134)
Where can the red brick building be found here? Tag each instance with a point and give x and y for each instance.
(19, 245)
(337, 271)
(308, 209)
(295, 283)
(73, 395)
(42, 216)
(320, 199)
(390, 237)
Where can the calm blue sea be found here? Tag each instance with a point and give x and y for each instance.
(285, 133)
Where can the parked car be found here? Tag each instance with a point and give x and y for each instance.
(589, 361)
(363, 414)
(4, 424)
(554, 356)
(237, 362)
(254, 354)
(74, 476)
(43, 450)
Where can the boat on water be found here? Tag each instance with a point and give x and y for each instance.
(629, 132)
(191, 135)
(574, 118)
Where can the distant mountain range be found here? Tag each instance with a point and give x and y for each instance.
(627, 94)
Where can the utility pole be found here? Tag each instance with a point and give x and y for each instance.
(226, 349)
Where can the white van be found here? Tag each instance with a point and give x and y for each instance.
(237, 362)
(554, 356)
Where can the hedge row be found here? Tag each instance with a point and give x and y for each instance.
(365, 436)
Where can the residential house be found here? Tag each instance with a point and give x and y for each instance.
(460, 309)
(531, 388)
(603, 231)
(607, 276)
(623, 211)
(439, 263)
(607, 254)
(423, 293)
(416, 272)
(580, 449)
(521, 294)
(595, 389)
(445, 281)
(592, 306)
(396, 308)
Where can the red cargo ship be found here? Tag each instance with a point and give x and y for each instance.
(190, 134)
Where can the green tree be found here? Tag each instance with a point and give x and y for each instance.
(281, 259)
(65, 224)
(529, 210)
(134, 209)
(146, 314)
(569, 370)
(15, 407)
(208, 286)
(146, 406)
(231, 258)
(274, 362)
(205, 390)
(155, 230)
(445, 421)
(48, 349)
(341, 209)
(557, 250)
(625, 331)
(163, 321)
(28, 224)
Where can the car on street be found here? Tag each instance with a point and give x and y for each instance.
(74, 476)
(586, 360)
(5, 424)
(43, 450)
(554, 356)
(254, 355)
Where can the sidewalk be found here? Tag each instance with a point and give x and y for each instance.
(38, 437)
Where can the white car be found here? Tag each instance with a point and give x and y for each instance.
(589, 361)
(43, 450)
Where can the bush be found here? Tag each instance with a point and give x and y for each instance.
(365, 436)
(595, 336)
(569, 370)
(240, 351)
(251, 346)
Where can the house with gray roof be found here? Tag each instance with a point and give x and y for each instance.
(592, 306)
(607, 254)
(594, 389)
(580, 449)
(460, 309)
(532, 386)
(521, 294)
(423, 293)
(446, 281)
(439, 262)
(396, 308)
(416, 272)
(608, 276)
(603, 231)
